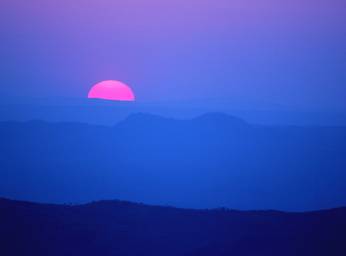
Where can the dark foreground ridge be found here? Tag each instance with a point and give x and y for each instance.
(122, 228)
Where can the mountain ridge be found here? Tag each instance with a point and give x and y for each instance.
(116, 228)
(236, 166)
(119, 202)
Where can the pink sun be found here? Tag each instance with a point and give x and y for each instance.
(111, 90)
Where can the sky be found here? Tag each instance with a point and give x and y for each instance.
(269, 54)
(291, 53)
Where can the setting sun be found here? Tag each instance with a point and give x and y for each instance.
(111, 90)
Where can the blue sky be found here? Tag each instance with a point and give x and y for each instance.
(288, 53)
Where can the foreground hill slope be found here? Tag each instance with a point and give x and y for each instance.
(121, 228)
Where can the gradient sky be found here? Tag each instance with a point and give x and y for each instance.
(274, 51)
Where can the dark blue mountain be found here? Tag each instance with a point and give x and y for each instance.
(210, 161)
(111, 228)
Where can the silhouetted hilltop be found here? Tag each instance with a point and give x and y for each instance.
(158, 126)
(208, 161)
(124, 228)
(219, 119)
(146, 120)
(101, 112)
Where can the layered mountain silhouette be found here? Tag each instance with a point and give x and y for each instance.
(100, 112)
(123, 228)
(210, 161)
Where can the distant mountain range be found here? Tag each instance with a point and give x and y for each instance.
(209, 161)
(111, 228)
(108, 113)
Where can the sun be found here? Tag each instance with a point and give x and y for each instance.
(111, 90)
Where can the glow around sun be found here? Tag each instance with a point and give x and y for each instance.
(111, 90)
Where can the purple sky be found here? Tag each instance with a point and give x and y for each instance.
(275, 51)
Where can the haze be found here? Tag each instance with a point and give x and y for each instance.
(268, 52)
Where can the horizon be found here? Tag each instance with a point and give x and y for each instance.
(109, 112)
(216, 209)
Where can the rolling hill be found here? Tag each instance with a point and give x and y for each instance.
(122, 228)
(209, 161)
